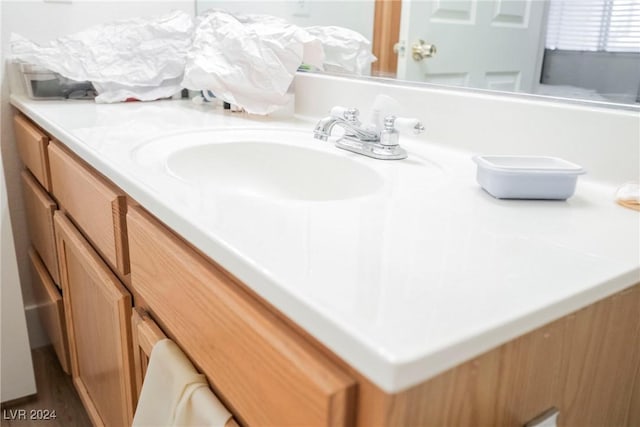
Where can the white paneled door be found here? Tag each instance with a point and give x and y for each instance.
(491, 44)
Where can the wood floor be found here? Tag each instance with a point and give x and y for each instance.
(55, 393)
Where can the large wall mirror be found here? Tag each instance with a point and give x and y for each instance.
(568, 49)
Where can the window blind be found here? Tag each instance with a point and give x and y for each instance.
(594, 25)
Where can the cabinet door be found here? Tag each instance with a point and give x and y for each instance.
(145, 335)
(98, 313)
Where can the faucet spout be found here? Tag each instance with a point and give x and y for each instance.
(323, 128)
(352, 129)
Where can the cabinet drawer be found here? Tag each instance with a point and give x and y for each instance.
(98, 315)
(50, 309)
(32, 148)
(96, 207)
(39, 208)
(263, 371)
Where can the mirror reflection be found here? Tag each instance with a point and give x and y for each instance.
(575, 49)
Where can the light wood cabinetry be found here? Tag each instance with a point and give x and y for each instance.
(50, 309)
(32, 148)
(145, 335)
(263, 371)
(39, 209)
(586, 364)
(95, 206)
(98, 315)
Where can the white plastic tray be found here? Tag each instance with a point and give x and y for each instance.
(527, 177)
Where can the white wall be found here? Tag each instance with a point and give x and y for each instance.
(41, 22)
(15, 356)
(15, 359)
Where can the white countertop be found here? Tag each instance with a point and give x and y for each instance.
(401, 284)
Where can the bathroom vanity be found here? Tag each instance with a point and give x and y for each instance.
(371, 294)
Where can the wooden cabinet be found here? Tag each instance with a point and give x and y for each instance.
(145, 335)
(39, 209)
(585, 364)
(264, 372)
(95, 206)
(98, 315)
(50, 309)
(32, 148)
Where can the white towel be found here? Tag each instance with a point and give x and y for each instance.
(175, 394)
(202, 409)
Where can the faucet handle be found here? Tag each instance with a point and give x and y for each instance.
(402, 124)
(339, 111)
(351, 115)
(389, 123)
(348, 114)
(392, 126)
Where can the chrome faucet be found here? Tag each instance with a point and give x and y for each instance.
(366, 140)
(348, 121)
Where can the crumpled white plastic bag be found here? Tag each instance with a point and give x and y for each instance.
(116, 92)
(143, 58)
(346, 51)
(248, 60)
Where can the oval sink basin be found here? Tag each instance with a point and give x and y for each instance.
(268, 169)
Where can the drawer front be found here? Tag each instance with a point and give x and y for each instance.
(264, 372)
(32, 148)
(93, 204)
(40, 208)
(50, 309)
